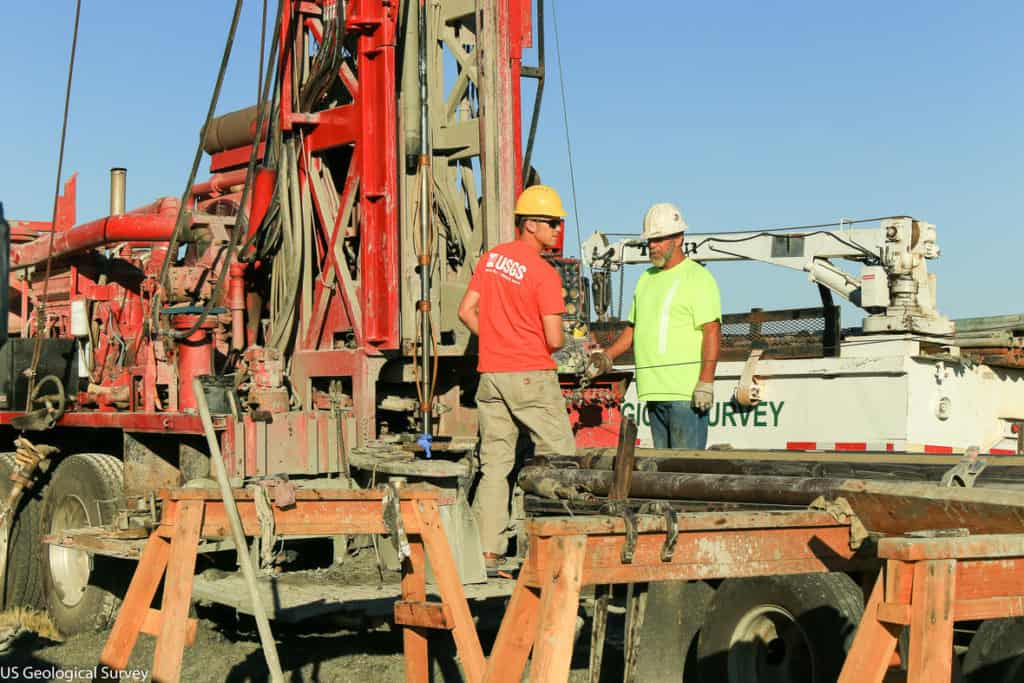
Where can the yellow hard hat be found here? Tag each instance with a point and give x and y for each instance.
(540, 200)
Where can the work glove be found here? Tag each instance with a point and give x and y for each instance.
(598, 364)
(704, 396)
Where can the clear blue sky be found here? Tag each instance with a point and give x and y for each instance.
(746, 114)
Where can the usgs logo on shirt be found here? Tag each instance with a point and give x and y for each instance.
(506, 266)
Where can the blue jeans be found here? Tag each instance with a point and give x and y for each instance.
(674, 424)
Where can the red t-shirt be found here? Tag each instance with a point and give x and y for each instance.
(517, 288)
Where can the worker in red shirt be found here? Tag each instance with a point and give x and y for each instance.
(514, 304)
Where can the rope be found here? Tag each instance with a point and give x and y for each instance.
(565, 122)
(41, 308)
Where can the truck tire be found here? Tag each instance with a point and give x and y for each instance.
(780, 629)
(996, 653)
(668, 639)
(24, 586)
(82, 591)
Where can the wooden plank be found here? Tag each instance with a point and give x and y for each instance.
(518, 629)
(411, 492)
(717, 554)
(154, 621)
(962, 547)
(414, 592)
(894, 614)
(690, 521)
(977, 579)
(899, 581)
(134, 609)
(931, 622)
(423, 614)
(625, 461)
(560, 601)
(693, 572)
(963, 610)
(874, 644)
(181, 565)
(305, 518)
(447, 578)
(928, 506)
(988, 608)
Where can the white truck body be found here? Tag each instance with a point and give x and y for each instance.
(881, 394)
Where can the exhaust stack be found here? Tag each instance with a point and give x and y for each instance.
(118, 178)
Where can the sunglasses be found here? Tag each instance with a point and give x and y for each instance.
(553, 223)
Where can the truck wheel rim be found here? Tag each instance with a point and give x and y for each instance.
(69, 568)
(769, 646)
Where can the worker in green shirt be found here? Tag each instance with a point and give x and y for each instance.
(675, 331)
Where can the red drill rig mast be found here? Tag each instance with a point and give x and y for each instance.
(314, 280)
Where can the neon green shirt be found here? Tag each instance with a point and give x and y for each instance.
(669, 309)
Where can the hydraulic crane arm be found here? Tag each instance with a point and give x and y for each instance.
(894, 285)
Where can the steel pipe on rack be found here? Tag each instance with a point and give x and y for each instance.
(775, 490)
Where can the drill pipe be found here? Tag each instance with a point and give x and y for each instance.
(770, 490)
(995, 475)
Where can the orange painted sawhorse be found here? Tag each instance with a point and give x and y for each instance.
(190, 515)
(567, 553)
(928, 584)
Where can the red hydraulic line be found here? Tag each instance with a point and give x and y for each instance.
(127, 228)
(219, 183)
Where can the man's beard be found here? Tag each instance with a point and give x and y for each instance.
(658, 260)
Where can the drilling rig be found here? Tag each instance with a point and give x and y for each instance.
(312, 281)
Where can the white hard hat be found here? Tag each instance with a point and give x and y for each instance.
(663, 220)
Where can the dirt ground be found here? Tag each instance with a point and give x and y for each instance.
(227, 649)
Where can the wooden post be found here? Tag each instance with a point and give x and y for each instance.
(181, 566)
(560, 601)
(135, 607)
(625, 459)
(931, 622)
(598, 630)
(873, 646)
(414, 588)
(516, 635)
(450, 585)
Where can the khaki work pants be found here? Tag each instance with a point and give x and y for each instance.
(507, 402)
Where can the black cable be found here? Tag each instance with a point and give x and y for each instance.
(41, 308)
(179, 221)
(765, 233)
(565, 120)
(263, 52)
(240, 225)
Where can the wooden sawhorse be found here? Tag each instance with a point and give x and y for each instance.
(927, 584)
(189, 515)
(567, 553)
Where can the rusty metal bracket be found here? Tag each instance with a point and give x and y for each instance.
(966, 471)
(660, 507)
(393, 521)
(629, 547)
(668, 548)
